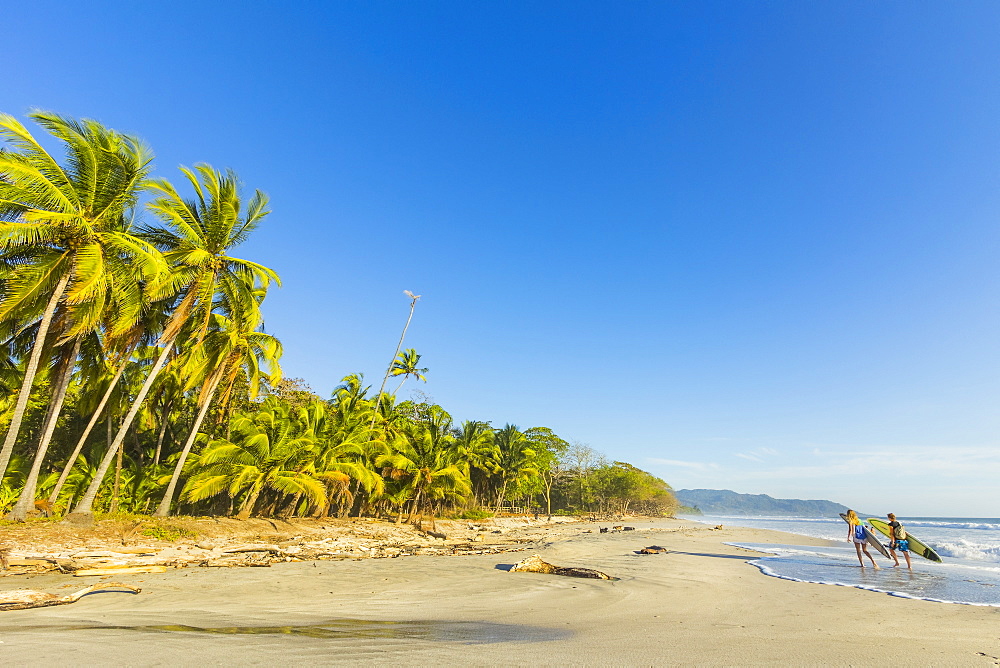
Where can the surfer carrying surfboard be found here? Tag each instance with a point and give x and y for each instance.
(856, 535)
(898, 540)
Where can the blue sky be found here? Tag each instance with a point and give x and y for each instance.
(741, 245)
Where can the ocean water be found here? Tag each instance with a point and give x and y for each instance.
(969, 547)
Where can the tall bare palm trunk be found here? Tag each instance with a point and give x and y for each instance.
(29, 375)
(86, 505)
(94, 419)
(26, 501)
(164, 509)
(378, 401)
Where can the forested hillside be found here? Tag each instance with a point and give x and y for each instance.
(727, 502)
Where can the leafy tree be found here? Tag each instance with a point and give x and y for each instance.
(550, 452)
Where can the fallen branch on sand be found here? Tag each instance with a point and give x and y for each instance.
(26, 598)
(534, 564)
(126, 570)
(652, 549)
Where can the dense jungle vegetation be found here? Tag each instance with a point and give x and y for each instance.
(136, 376)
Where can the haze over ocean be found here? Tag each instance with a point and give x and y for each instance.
(743, 246)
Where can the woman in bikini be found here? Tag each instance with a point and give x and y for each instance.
(856, 535)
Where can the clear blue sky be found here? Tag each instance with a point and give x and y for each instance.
(741, 245)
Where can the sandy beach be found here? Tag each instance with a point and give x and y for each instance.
(701, 604)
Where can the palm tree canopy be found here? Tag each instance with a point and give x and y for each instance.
(73, 219)
(406, 363)
(196, 238)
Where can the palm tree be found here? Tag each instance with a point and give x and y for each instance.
(196, 238)
(63, 375)
(266, 451)
(514, 458)
(478, 454)
(427, 462)
(343, 457)
(381, 389)
(227, 351)
(405, 365)
(62, 237)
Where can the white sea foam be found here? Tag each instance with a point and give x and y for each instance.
(967, 539)
(956, 581)
(964, 549)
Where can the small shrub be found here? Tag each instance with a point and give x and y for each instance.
(474, 515)
(167, 532)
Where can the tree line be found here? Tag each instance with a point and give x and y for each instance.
(136, 376)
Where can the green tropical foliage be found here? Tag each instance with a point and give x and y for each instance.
(136, 376)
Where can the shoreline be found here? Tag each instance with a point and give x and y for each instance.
(700, 603)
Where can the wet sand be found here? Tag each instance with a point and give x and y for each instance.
(699, 604)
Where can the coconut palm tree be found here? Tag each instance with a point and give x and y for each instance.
(381, 389)
(477, 453)
(62, 240)
(62, 376)
(196, 238)
(514, 458)
(228, 351)
(265, 452)
(425, 460)
(405, 365)
(343, 461)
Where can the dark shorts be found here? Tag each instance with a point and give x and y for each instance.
(901, 545)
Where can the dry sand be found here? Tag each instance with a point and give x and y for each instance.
(700, 604)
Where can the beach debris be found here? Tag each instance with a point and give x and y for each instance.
(272, 549)
(437, 534)
(717, 527)
(535, 564)
(4, 561)
(652, 549)
(618, 527)
(628, 528)
(113, 570)
(26, 598)
(604, 529)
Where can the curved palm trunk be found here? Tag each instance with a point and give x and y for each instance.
(414, 507)
(400, 386)
(503, 493)
(378, 401)
(164, 509)
(29, 375)
(86, 505)
(94, 419)
(26, 501)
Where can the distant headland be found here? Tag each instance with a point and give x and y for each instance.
(728, 502)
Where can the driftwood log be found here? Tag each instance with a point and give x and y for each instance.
(118, 570)
(26, 598)
(652, 549)
(534, 564)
